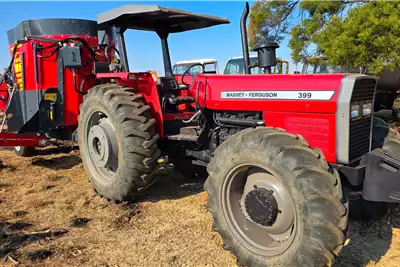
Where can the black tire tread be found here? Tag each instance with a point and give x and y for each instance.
(292, 151)
(138, 137)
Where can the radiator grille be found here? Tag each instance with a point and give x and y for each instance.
(363, 90)
(360, 129)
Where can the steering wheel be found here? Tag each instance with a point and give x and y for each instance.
(187, 72)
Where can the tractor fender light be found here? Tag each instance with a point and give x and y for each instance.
(131, 76)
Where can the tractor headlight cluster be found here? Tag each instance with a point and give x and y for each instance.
(367, 109)
(355, 111)
(358, 111)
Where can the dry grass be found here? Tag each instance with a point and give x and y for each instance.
(171, 227)
(49, 216)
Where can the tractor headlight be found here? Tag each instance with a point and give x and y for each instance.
(367, 109)
(355, 111)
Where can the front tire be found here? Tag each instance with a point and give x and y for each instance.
(117, 142)
(291, 182)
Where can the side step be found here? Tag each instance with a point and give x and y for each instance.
(178, 100)
(188, 133)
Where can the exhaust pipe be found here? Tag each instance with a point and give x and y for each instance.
(245, 44)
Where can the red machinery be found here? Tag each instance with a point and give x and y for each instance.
(282, 152)
(42, 88)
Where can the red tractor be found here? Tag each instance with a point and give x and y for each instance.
(283, 153)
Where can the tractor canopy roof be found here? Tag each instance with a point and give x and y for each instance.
(156, 18)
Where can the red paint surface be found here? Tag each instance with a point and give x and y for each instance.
(48, 73)
(315, 120)
(13, 139)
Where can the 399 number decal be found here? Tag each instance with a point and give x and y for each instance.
(304, 95)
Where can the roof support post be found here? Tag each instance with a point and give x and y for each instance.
(165, 51)
(122, 48)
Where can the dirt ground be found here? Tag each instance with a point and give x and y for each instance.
(49, 216)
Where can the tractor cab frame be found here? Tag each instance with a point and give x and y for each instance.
(160, 20)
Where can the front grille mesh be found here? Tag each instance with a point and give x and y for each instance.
(360, 129)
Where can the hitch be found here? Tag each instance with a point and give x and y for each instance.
(14, 139)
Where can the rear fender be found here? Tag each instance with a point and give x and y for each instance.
(145, 85)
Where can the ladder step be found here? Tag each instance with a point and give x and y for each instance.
(191, 130)
(182, 137)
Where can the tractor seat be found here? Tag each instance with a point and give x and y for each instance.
(167, 85)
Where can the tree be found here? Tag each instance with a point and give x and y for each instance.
(268, 21)
(368, 36)
(348, 33)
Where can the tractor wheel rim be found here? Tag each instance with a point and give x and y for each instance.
(102, 145)
(18, 148)
(259, 209)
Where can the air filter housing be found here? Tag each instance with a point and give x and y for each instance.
(266, 55)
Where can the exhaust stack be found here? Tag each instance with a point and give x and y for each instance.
(266, 51)
(245, 45)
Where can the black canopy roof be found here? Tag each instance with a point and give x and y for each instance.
(156, 18)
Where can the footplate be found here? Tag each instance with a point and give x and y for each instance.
(382, 176)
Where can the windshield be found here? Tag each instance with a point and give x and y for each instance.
(179, 69)
(236, 66)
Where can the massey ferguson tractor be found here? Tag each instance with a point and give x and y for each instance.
(282, 152)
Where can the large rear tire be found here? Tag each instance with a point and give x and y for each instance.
(117, 142)
(293, 212)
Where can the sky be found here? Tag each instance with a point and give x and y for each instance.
(144, 48)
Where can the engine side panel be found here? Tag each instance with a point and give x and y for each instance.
(289, 93)
(318, 129)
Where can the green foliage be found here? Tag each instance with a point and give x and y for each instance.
(268, 20)
(347, 33)
(368, 36)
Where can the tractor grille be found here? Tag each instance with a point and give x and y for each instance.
(360, 130)
(363, 90)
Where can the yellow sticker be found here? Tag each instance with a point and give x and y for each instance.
(50, 96)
